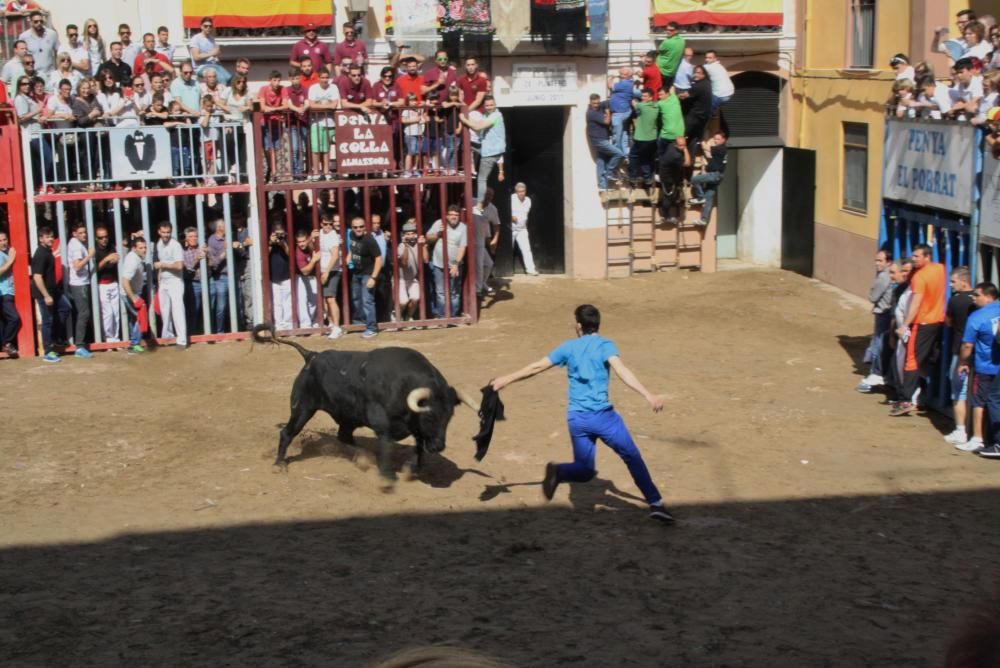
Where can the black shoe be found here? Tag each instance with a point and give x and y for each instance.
(551, 480)
(660, 514)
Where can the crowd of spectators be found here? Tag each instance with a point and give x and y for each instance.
(974, 75)
(911, 313)
(661, 127)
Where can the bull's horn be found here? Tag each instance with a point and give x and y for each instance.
(467, 400)
(414, 398)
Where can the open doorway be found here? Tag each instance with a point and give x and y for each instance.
(535, 158)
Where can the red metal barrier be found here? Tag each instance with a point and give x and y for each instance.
(12, 199)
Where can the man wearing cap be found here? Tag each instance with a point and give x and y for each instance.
(310, 47)
(351, 49)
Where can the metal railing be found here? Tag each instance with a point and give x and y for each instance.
(74, 159)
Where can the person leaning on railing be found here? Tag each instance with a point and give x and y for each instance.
(87, 114)
(29, 113)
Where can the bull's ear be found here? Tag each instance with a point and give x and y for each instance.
(453, 395)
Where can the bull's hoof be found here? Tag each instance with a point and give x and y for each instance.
(280, 467)
(387, 484)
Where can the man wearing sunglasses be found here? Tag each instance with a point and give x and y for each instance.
(42, 43)
(351, 49)
(310, 47)
(130, 49)
(205, 51)
(76, 50)
(441, 75)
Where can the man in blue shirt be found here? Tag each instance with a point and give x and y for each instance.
(623, 91)
(587, 359)
(979, 343)
(10, 321)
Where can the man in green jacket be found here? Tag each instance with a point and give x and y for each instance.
(672, 152)
(669, 54)
(643, 152)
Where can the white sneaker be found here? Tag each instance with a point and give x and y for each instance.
(956, 437)
(335, 333)
(974, 444)
(873, 381)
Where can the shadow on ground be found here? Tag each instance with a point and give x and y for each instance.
(862, 581)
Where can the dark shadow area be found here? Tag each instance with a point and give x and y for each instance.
(855, 347)
(860, 581)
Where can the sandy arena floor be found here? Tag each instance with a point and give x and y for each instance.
(141, 523)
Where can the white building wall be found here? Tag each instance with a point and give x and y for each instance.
(759, 178)
(141, 16)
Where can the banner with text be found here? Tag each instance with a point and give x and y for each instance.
(930, 164)
(364, 143)
(989, 217)
(140, 153)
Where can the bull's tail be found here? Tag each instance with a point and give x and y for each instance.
(265, 333)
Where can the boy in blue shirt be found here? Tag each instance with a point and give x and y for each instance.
(979, 345)
(587, 359)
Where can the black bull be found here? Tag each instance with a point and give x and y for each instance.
(396, 392)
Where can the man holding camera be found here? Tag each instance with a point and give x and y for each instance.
(281, 284)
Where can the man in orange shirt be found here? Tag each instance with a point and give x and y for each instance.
(921, 329)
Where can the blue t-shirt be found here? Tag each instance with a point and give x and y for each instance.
(7, 279)
(586, 361)
(622, 94)
(980, 329)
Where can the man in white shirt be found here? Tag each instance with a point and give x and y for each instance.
(78, 54)
(935, 97)
(13, 68)
(79, 257)
(42, 43)
(968, 90)
(170, 264)
(457, 245)
(163, 44)
(205, 51)
(329, 268)
(520, 207)
(722, 85)
(322, 100)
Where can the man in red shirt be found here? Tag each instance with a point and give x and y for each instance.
(296, 96)
(356, 92)
(309, 75)
(411, 82)
(150, 61)
(272, 100)
(475, 85)
(351, 49)
(440, 75)
(651, 77)
(310, 47)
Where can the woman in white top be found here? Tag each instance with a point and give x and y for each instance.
(95, 45)
(976, 45)
(64, 70)
(238, 99)
(111, 101)
(237, 103)
(29, 114)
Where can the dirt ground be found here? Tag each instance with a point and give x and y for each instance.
(141, 522)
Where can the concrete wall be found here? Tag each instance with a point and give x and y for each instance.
(759, 184)
(141, 15)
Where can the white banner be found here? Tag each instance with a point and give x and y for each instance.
(989, 216)
(139, 153)
(541, 84)
(930, 164)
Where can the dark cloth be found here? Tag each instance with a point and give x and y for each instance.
(980, 390)
(993, 408)
(43, 263)
(925, 350)
(717, 163)
(10, 321)
(122, 72)
(80, 296)
(698, 105)
(959, 307)
(278, 264)
(596, 129)
(109, 272)
(364, 250)
(490, 410)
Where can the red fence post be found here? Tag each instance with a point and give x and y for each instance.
(13, 197)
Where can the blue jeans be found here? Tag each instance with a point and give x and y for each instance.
(452, 143)
(874, 352)
(705, 186)
(607, 425)
(297, 133)
(180, 161)
(619, 137)
(455, 287)
(134, 331)
(57, 315)
(218, 299)
(993, 408)
(363, 301)
(718, 102)
(608, 157)
(486, 165)
(192, 306)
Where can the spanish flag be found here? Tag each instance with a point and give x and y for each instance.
(258, 13)
(719, 12)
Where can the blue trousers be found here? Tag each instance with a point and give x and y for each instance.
(873, 355)
(607, 425)
(993, 408)
(54, 319)
(454, 287)
(363, 301)
(134, 330)
(218, 297)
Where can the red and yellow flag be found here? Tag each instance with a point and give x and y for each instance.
(257, 13)
(719, 12)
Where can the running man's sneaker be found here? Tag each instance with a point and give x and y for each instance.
(974, 444)
(83, 353)
(902, 408)
(369, 334)
(660, 514)
(696, 201)
(990, 452)
(51, 358)
(864, 388)
(873, 380)
(335, 333)
(551, 480)
(136, 349)
(956, 437)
